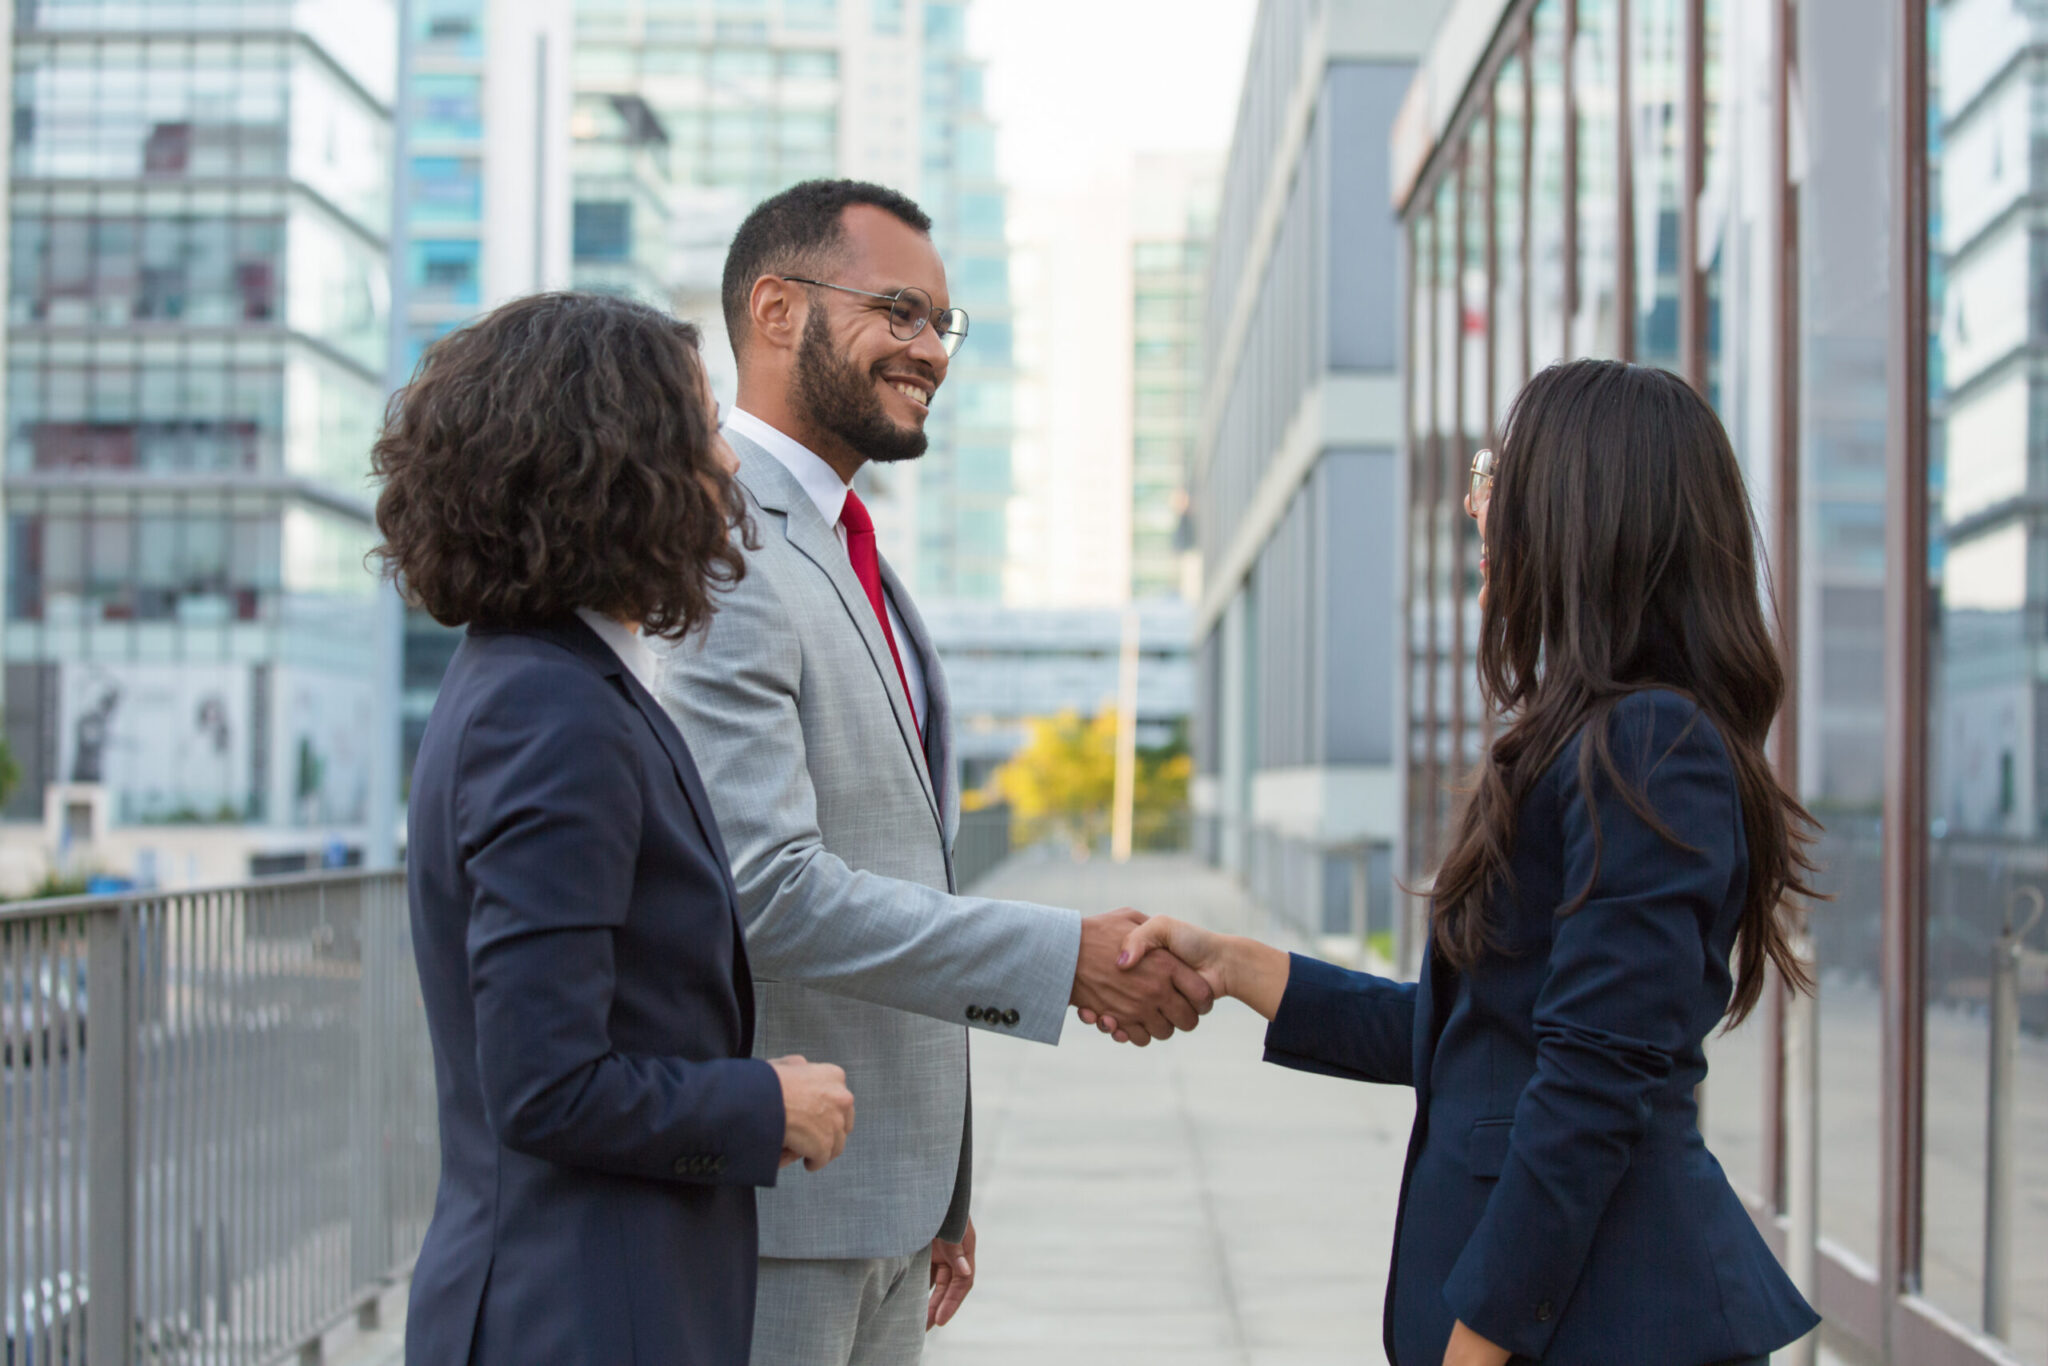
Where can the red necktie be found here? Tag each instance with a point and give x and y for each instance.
(867, 567)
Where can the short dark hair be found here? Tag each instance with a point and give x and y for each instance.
(556, 454)
(798, 231)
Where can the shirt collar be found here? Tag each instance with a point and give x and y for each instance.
(629, 646)
(818, 479)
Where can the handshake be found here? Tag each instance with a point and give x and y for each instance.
(1126, 990)
(1121, 987)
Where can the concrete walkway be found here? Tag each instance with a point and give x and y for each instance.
(1182, 1204)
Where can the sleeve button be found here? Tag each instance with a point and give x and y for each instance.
(1010, 1018)
(682, 1166)
(974, 1013)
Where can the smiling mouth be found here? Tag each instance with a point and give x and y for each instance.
(916, 393)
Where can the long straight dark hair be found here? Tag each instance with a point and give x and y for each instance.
(1622, 556)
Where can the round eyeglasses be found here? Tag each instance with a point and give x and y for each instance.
(1482, 481)
(910, 312)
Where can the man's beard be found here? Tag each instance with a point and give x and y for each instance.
(839, 398)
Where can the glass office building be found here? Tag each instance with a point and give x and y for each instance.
(756, 95)
(1296, 471)
(1174, 223)
(489, 213)
(1828, 217)
(197, 325)
(963, 485)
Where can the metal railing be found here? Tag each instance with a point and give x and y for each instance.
(217, 1119)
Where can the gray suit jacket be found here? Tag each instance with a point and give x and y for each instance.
(841, 845)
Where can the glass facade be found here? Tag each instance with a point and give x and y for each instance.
(1722, 189)
(963, 484)
(1169, 279)
(197, 324)
(748, 93)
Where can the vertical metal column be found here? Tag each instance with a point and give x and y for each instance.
(1571, 176)
(1903, 944)
(110, 1128)
(1692, 278)
(388, 648)
(1624, 182)
(2009, 962)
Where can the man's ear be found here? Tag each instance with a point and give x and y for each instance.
(776, 309)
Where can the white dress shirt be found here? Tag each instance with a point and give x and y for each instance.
(828, 491)
(628, 645)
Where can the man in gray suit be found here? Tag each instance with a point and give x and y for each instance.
(818, 714)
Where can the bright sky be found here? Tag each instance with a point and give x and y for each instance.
(1078, 87)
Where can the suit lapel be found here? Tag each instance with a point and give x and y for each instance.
(938, 700)
(1433, 996)
(777, 490)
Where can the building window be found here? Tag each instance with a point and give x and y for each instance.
(447, 272)
(447, 107)
(888, 16)
(604, 231)
(447, 189)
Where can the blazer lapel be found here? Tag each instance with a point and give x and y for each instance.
(1433, 996)
(938, 700)
(777, 490)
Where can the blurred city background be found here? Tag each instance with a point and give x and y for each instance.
(1250, 281)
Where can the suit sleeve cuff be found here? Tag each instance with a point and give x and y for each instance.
(751, 1144)
(1506, 1296)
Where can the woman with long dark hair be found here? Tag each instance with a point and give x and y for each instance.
(1617, 884)
(554, 480)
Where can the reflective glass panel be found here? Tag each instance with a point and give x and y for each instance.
(1546, 224)
(1510, 212)
(1985, 1256)
(1657, 142)
(1595, 73)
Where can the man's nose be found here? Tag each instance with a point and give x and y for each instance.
(929, 347)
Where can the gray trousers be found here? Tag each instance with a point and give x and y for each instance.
(841, 1311)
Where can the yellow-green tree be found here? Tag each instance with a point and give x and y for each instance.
(1061, 783)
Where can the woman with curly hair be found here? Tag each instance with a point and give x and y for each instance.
(1618, 885)
(554, 481)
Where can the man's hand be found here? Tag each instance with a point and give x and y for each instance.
(1148, 1001)
(952, 1278)
(817, 1110)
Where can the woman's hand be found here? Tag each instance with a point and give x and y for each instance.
(1469, 1349)
(1230, 965)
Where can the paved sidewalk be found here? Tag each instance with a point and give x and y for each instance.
(1185, 1203)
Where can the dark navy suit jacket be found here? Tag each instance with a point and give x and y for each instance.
(1558, 1198)
(580, 953)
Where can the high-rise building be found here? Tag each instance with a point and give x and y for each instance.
(1297, 474)
(489, 144)
(1173, 223)
(489, 217)
(1993, 414)
(752, 96)
(197, 319)
(756, 95)
(623, 213)
(963, 485)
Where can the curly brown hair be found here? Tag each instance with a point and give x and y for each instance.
(558, 454)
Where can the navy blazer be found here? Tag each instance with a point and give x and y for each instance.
(1557, 1196)
(586, 987)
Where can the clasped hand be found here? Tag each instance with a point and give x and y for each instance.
(1200, 963)
(1138, 996)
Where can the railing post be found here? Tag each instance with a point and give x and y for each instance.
(2006, 959)
(110, 1126)
(369, 1243)
(1802, 1152)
